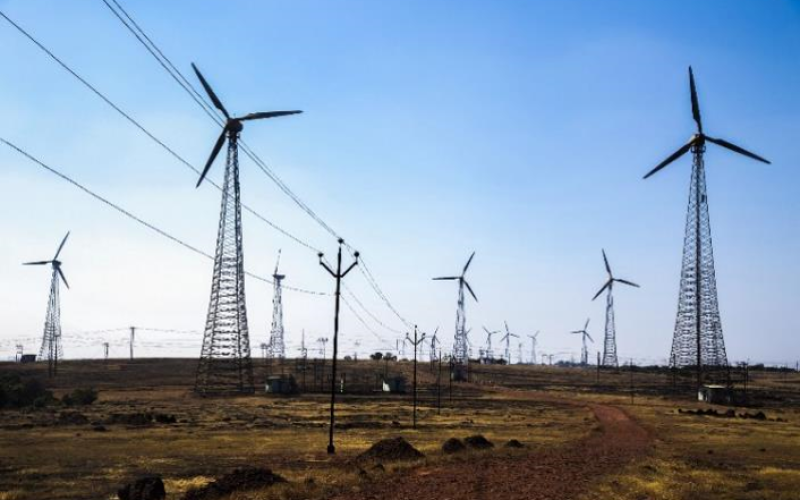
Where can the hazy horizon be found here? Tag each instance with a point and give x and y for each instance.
(517, 130)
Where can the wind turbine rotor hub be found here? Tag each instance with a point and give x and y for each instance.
(234, 126)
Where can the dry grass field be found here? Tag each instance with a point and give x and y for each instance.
(52, 453)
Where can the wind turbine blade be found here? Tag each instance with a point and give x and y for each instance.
(587, 324)
(674, 156)
(608, 283)
(447, 278)
(590, 337)
(61, 273)
(487, 330)
(470, 291)
(630, 283)
(506, 325)
(737, 149)
(61, 246)
(210, 92)
(278, 263)
(576, 331)
(213, 156)
(268, 114)
(468, 263)
(695, 102)
(37, 263)
(605, 259)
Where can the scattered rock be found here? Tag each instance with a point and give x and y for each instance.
(144, 488)
(391, 449)
(478, 442)
(513, 443)
(378, 467)
(248, 478)
(99, 428)
(131, 418)
(752, 486)
(453, 445)
(163, 418)
(72, 418)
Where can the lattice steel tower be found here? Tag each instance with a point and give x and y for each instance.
(51, 338)
(225, 364)
(698, 339)
(277, 349)
(610, 340)
(460, 341)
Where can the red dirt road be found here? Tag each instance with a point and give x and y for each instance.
(557, 474)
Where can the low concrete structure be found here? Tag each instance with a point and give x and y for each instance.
(281, 384)
(394, 385)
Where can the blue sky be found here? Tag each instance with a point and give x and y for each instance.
(520, 130)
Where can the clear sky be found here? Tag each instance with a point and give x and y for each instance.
(517, 129)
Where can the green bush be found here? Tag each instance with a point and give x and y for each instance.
(18, 393)
(80, 397)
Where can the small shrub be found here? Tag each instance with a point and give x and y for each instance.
(18, 393)
(80, 397)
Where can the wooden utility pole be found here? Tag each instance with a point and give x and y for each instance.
(631, 371)
(598, 368)
(416, 343)
(338, 275)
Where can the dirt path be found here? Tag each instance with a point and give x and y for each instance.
(549, 474)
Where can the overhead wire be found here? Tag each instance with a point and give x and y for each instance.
(145, 131)
(213, 113)
(135, 218)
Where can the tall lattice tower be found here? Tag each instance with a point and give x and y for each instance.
(698, 308)
(610, 340)
(698, 339)
(277, 347)
(51, 338)
(51, 348)
(460, 340)
(225, 364)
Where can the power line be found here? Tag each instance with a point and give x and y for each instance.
(191, 90)
(364, 269)
(374, 318)
(361, 320)
(146, 131)
(136, 218)
(137, 31)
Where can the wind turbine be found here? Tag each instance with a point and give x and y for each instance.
(460, 344)
(489, 354)
(584, 335)
(51, 338)
(469, 342)
(225, 363)
(533, 346)
(610, 341)
(698, 338)
(434, 341)
(276, 339)
(507, 339)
